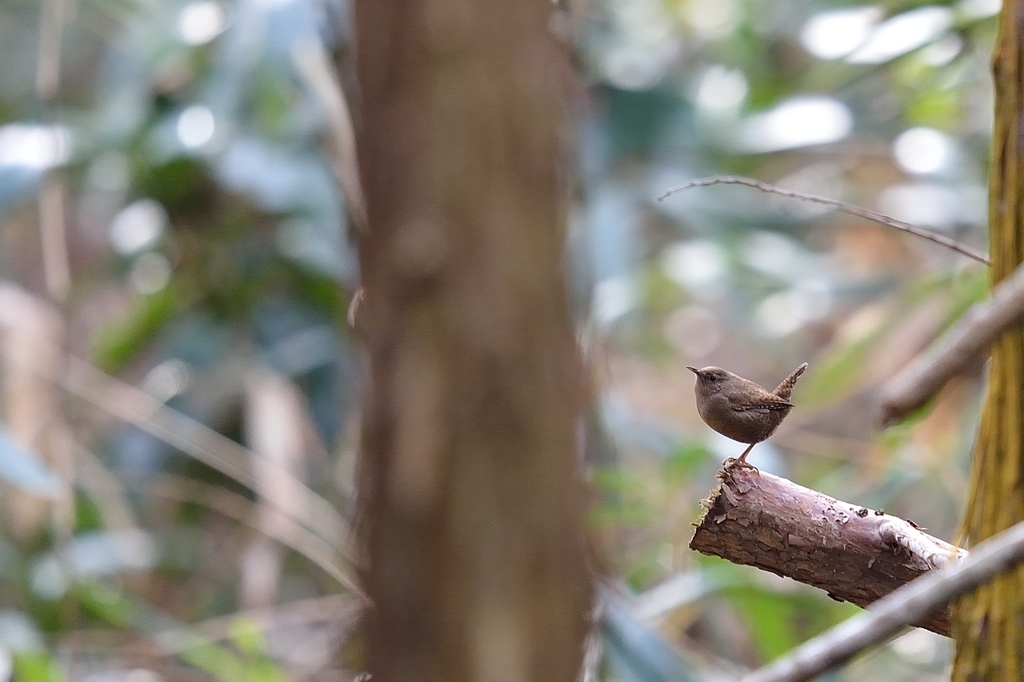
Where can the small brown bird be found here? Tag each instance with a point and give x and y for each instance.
(740, 409)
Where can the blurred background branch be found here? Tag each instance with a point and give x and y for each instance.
(963, 347)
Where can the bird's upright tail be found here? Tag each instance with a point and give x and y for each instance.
(785, 389)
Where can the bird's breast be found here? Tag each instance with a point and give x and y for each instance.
(745, 426)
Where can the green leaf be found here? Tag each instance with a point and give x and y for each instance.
(119, 343)
(685, 461)
(248, 637)
(37, 666)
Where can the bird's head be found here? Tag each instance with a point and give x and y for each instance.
(711, 380)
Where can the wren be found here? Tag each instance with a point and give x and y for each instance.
(740, 409)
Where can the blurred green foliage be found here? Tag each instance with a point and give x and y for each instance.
(207, 246)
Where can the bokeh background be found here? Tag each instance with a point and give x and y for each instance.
(179, 382)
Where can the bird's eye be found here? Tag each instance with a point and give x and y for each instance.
(712, 377)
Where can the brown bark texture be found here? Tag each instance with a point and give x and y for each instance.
(989, 624)
(471, 518)
(854, 553)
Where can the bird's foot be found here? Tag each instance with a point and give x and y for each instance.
(734, 462)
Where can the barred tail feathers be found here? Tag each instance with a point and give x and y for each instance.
(785, 389)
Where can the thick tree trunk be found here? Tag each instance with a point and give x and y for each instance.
(989, 624)
(471, 514)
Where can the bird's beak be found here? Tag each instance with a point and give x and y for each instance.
(694, 370)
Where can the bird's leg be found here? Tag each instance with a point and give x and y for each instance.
(743, 457)
(730, 463)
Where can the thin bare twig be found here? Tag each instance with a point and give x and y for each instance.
(980, 326)
(888, 615)
(162, 636)
(297, 503)
(56, 264)
(199, 441)
(312, 513)
(312, 611)
(283, 528)
(864, 213)
(314, 65)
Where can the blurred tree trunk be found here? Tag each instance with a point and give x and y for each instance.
(470, 503)
(989, 624)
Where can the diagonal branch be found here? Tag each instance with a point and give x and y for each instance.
(282, 528)
(904, 606)
(969, 340)
(864, 213)
(311, 513)
(197, 440)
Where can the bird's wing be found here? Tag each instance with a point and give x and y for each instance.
(765, 403)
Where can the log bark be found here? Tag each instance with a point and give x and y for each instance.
(854, 553)
(470, 503)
